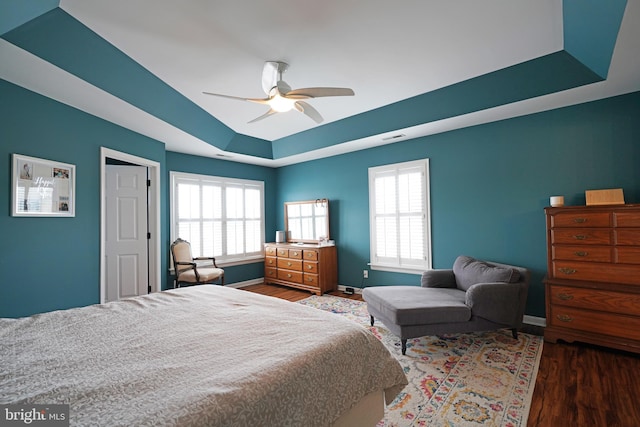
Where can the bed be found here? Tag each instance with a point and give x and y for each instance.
(198, 356)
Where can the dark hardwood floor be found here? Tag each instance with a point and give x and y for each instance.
(577, 385)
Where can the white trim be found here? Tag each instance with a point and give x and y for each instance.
(155, 274)
(258, 281)
(536, 321)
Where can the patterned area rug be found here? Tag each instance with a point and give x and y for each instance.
(473, 379)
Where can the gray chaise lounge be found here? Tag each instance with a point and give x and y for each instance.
(472, 296)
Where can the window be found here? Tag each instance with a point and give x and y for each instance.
(400, 226)
(220, 217)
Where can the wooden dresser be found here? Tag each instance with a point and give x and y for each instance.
(310, 267)
(593, 278)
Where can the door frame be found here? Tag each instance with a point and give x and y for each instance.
(154, 217)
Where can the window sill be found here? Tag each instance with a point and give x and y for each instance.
(418, 270)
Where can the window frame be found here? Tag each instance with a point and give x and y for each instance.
(221, 260)
(398, 265)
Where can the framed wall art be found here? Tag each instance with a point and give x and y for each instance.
(42, 187)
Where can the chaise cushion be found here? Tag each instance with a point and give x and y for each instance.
(469, 271)
(413, 305)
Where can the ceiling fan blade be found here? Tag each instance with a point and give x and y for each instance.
(283, 88)
(309, 111)
(264, 116)
(256, 100)
(317, 92)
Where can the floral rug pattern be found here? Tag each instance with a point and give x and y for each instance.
(473, 379)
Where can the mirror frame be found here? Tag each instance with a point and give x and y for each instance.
(302, 202)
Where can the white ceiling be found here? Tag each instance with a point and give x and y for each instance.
(386, 51)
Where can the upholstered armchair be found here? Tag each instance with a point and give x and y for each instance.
(187, 270)
(472, 296)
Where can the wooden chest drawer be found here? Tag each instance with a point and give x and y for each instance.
(581, 253)
(311, 255)
(295, 253)
(596, 272)
(271, 272)
(270, 262)
(596, 299)
(582, 236)
(290, 276)
(290, 264)
(310, 267)
(283, 252)
(310, 279)
(626, 236)
(617, 325)
(628, 255)
(270, 250)
(581, 219)
(626, 219)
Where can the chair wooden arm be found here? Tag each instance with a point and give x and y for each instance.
(202, 258)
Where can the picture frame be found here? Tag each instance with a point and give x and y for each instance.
(42, 188)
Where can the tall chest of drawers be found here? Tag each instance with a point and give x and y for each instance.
(310, 267)
(593, 279)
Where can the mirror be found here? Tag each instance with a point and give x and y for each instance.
(307, 221)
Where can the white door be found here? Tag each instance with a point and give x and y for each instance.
(127, 272)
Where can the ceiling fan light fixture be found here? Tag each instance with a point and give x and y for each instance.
(281, 104)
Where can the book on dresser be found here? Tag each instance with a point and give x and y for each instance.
(306, 266)
(592, 288)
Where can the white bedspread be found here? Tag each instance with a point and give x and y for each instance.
(198, 356)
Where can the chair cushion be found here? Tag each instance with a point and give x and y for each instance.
(207, 274)
(413, 305)
(469, 271)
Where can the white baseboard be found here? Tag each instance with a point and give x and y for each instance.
(258, 281)
(536, 321)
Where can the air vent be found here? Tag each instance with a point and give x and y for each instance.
(389, 138)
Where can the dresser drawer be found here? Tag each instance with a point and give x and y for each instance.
(310, 279)
(270, 262)
(628, 255)
(310, 267)
(311, 255)
(627, 237)
(290, 264)
(271, 272)
(596, 299)
(270, 250)
(582, 253)
(596, 272)
(626, 219)
(585, 219)
(290, 276)
(283, 252)
(582, 236)
(617, 325)
(295, 253)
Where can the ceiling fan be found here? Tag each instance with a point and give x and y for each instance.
(280, 96)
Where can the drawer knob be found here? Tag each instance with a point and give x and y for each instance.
(580, 220)
(564, 318)
(295, 254)
(581, 253)
(567, 270)
(289, 276)
(310, 267)
(579, 237)
(288, 264)
(565, 297)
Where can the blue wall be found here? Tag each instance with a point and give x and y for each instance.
(489, 185)
(54, 263)
(177, 162)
